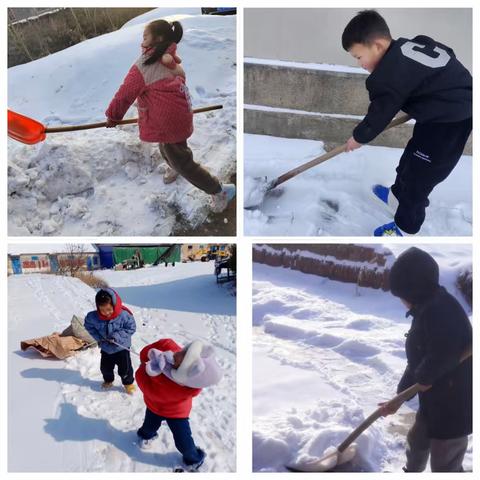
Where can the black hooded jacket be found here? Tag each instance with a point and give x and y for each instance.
(440, 333)
(423, 78)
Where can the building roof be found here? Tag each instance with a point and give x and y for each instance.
(44, 248)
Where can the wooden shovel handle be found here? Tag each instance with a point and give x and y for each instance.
(326, 156)
(121, 122)
(400, 398)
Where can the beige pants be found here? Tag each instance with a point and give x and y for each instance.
(445, 455)
(179, 157)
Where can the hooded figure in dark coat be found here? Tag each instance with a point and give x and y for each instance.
(439, 336)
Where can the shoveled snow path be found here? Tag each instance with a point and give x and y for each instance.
(325, 353)
(76, 426)
(335, 198)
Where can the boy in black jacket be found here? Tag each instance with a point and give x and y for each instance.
(440, 333)
(423, 78)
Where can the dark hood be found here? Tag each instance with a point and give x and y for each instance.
(414, 276)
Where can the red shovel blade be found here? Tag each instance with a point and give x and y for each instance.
(25, 129)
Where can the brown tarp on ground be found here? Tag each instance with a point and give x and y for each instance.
(54, 345)
(62, 345)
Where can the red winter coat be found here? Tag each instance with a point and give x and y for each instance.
(164, 106)
(161, 395)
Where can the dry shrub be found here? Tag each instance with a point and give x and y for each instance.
(91, 279)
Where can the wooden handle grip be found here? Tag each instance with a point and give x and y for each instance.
(326, 156)
(400, 398)
(88, 126)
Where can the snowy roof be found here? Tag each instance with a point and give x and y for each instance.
(38, 248)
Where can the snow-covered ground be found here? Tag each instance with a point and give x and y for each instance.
(107, 182)
(60, 420)
(335, 198)
(324, 354)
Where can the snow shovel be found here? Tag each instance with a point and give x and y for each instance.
(30, 131)
(266, 186)
(347, 450)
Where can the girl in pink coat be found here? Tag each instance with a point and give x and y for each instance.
(157, 82)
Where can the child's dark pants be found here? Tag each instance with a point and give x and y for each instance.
(122, 360)
(182, 435)
(430, 156)
(179, 157)
(445, 455)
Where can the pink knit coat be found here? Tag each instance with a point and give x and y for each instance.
(164, 106)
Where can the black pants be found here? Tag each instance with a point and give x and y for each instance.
(122, 360)
(430, 156)
(182, 435)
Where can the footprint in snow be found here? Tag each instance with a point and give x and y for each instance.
(200, 91)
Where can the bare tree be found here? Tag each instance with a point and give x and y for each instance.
(73, 260)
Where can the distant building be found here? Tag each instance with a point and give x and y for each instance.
(112, 255)
(49, 258)
(53, 258)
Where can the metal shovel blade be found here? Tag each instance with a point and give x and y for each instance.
(257, 194)
(327, 462)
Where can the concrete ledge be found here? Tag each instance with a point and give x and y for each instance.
(305, 89)
(332, 130)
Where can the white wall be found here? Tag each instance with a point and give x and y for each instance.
(314, 35)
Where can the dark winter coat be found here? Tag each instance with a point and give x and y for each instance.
(423, 78)
(440, 333)
(119, 328)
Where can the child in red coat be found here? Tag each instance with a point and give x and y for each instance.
(157, 81)
(169, 377)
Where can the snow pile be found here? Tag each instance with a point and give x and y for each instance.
(77, 183)
(76, 427)
(325, 353)
(335, 198)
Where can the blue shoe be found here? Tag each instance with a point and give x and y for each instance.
(387, 230)
(381, 192)
(386, 196)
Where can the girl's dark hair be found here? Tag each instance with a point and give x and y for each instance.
(166, 33)
(103, 298)
(364, 28)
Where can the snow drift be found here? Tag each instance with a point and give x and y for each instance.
(324, 354)
(107, 182)
(59, 418)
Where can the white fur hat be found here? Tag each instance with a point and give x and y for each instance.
(199, 369)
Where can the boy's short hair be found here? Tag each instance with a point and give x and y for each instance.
(364, 28)
(103, 298)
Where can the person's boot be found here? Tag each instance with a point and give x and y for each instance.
(129, 388)
(192, 467)
(170, 175)
(388, 230)
(221, 199)
(107, 385)
(385, 195)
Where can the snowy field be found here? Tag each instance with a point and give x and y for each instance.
(335, 198)
(56, 409)
(324, 354)
(107, 182)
